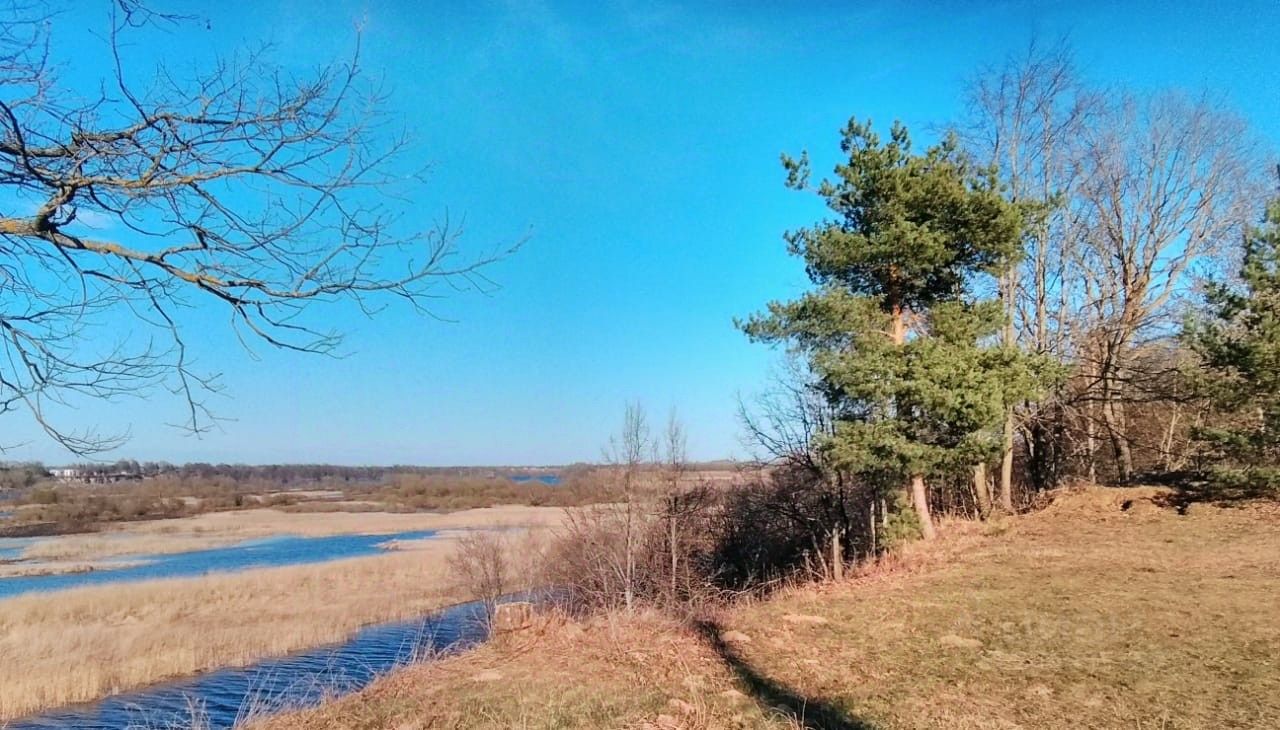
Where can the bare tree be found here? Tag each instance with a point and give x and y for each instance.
(676, 466)
(241, 187)
(788, 428)
(1132, 195)
(629, 452)
(1025, 117)
(1166, 181)
(684, 500)
(787, 422)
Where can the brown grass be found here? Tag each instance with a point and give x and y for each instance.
(612, 672)
(1086, 615)
(1083, 616)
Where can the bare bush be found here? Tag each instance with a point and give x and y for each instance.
(797, 523)
(587, 558)
(481, 565)
(663, 539)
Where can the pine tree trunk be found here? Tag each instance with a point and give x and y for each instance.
(920, 499)
(981, 491)
(1006, 466)
(916, 491)
(1048, 438)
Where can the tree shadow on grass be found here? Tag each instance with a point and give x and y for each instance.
(812, 713)
(1190, 487)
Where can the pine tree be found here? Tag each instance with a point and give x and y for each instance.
(906, 353)
(1239, 347)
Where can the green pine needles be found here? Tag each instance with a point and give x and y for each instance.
(901, 328)
(1239, 348)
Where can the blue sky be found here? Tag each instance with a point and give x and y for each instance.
(636, 146)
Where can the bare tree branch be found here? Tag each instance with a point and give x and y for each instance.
(243, 187)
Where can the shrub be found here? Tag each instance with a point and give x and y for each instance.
(481, 565)
(745, 539)
(43, 495)
(781, 526)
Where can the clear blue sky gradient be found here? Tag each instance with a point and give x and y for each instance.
(636, 145)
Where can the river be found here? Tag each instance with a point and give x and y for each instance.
(262, 553)
(223, 698)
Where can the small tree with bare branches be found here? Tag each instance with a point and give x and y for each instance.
(481, 565)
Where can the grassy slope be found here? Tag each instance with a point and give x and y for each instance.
(1081, 616)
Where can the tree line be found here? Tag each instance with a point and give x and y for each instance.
(1073, 284)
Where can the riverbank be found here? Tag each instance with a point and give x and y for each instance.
(1105, 610)
(217, 529)
(80, 644)
(26, 568)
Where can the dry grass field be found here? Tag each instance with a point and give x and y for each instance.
(85, 643)
(1089, 614)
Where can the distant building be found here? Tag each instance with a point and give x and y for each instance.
(67, 474)
(72, 474)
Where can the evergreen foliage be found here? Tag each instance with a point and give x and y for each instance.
(897, 328)
(1239, 347)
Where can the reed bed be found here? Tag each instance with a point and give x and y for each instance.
(85, 643)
